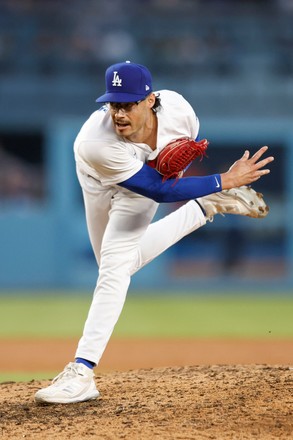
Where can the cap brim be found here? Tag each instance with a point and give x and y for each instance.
(121, 97)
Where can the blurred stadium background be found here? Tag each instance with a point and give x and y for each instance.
(233, 60)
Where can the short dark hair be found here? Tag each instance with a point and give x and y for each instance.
(157, 105)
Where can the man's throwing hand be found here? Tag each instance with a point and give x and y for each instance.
(247, 169)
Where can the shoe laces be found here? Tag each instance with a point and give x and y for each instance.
(69, 372)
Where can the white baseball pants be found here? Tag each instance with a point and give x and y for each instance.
(123, 240)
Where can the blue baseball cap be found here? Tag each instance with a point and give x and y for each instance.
(126, 82)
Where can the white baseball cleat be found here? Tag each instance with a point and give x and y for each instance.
(75, 384)
(240, 201)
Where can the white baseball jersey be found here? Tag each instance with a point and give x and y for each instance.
(118, 220)
(112, 159)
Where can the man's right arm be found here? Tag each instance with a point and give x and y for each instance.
(149, 183)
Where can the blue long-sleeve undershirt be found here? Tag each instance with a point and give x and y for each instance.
(149, 183)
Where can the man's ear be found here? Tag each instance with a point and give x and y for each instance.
(151, 99)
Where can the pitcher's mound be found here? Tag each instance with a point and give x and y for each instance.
(186, 403)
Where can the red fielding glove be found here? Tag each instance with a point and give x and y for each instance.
(173, 159)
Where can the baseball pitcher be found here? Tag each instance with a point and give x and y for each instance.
(130, 156)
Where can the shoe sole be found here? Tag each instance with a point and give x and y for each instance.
(257, 205)
(264, 210)
(52, 400)
(238, 201)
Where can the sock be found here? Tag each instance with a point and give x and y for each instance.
(85, 362)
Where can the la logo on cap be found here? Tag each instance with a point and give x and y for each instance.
(117, 81)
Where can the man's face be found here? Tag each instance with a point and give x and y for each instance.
(130, 119)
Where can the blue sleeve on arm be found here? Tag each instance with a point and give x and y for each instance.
(149, 183)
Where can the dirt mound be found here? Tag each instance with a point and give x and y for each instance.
(199, 402)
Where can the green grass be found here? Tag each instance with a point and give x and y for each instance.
(22, 376)
(166, 316)
(208, 317)
(46, 316)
